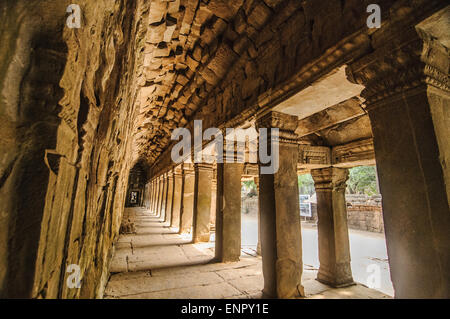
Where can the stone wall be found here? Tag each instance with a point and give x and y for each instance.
(365, 217)
(67, 110)
(363, 212)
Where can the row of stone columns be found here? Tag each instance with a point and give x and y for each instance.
(182, 198)
(187, 196)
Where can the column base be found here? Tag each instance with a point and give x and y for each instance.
(273, 295)
(202, 239)
(335, 281)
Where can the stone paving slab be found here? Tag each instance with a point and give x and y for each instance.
(144, 284)
(214, 291)
(165, 265)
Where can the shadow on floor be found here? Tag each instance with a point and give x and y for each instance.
(165, 265)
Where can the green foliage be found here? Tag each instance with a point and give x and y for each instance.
(306, 184)
(362, 180)
(250, 186)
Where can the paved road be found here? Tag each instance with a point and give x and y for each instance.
(366, 249)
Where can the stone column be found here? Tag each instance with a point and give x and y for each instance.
(228, 212)
(334, 244)
(156, 194)
(281, 242)
(165, 196)
(187, 211)
(213, 202)
(408, 105)
(169, 202)
(160, 196)
(177, 197)
(150, 195)
(202, 202)
(258, 245)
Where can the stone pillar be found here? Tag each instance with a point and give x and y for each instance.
(334, 244)
(187, 211)
(228, 212)
(408, 105)
(152, 188)
(160, 195)
(258, 245)
(169, 202)
(177, 197)
(156, 194)
(202, 202)
(281, 242)
(165, 196)
(213, 201)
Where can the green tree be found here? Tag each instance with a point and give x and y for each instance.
(251, 187)
(306, 184)
(362, 180)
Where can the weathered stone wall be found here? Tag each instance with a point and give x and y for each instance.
(365, 217)
(67, 110)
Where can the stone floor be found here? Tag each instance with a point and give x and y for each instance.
(156, 262)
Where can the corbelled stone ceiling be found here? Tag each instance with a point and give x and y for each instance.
(190, 46)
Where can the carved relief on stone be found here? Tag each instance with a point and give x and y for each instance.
(330, 178)
(250, 169)
(353, 152)
(410, 62)
(314, 155)
(287, 124)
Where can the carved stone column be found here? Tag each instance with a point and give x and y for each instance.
(152, 189)
(213, 201)
(202, 202)
(281, 242)
(169, 202)
(334, 244)
(177, 197)
(228, 217)
(161, 195)
(258, 245)
(228, 209)
(165, 196)
(157, 190)
(407, 94)
(187, 212)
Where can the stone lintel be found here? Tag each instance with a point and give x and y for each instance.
(285, 122)
(354, 154)
(250, 170)
(311, 157)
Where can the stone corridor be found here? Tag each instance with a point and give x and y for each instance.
(146, 116)
(157, 263)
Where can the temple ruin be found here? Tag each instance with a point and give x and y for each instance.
(87, 114)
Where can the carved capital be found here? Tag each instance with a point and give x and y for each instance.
(287, 125)
(330, 178)
(361, 152)
(412, 61)
(250, 169)
(314, 156)
(203, 167)
(188, 169)
(178, 171)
